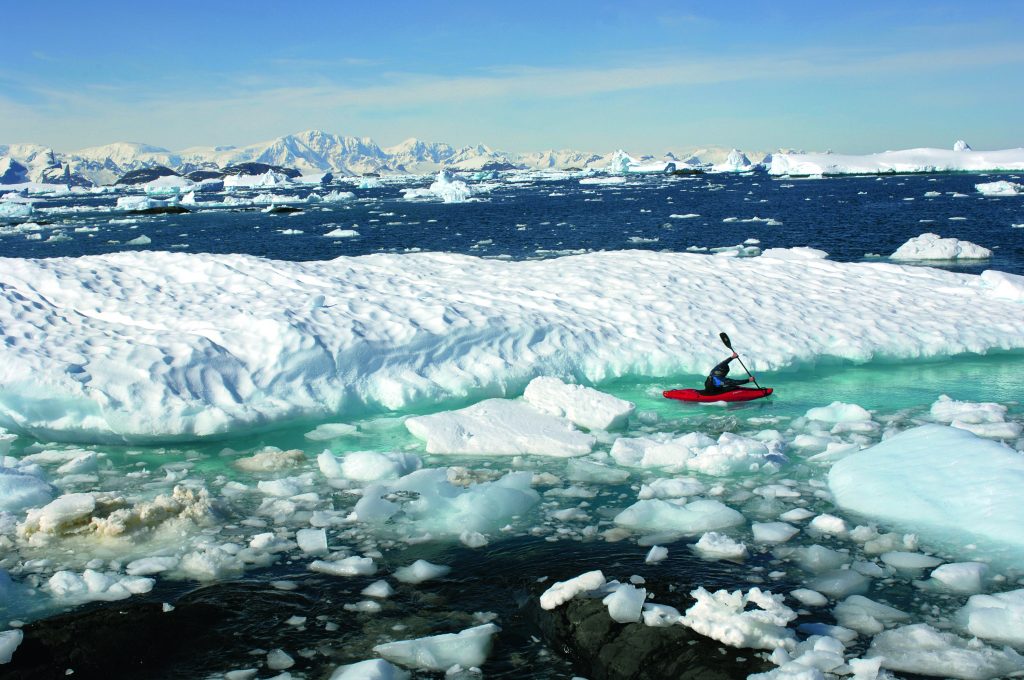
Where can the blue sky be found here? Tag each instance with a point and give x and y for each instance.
(646, 76)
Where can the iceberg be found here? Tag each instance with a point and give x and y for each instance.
(905, 161)
(736, 161)
(930, 246)
(1000, 188)
(169, 185)
(445, 187)
(144, 345)
(946, 484)
(266, 180)
(622, 163)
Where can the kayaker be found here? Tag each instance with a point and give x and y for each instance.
(717, 382)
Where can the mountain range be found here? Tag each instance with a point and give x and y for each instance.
(310, 152)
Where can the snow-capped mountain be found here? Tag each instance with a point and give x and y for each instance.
(310, 152)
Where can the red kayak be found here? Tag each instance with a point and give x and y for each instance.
(735, 394)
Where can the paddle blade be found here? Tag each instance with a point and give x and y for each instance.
(725, 339)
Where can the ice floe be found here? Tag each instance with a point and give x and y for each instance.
(209, 344)
(907, 160)
(468, 648)
(1000, 188)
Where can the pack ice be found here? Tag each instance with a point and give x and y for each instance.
(156, 345)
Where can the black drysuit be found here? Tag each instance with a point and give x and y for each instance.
(717, 382)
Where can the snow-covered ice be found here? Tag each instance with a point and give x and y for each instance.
(929, 246)
(562, 591)
(997, 618)
(921, 649)
(584, 406)
(211, 344)
(695, 517)
(372, 669)
(1000, 188)
(756, 619)
(903, 161)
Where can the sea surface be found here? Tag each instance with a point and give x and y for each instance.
(852, 219)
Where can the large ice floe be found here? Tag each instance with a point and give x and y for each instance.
(944, 483)
(155, 344)
(903, 161)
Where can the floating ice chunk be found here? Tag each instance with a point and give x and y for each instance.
(773, 532)
(688, 519)
(1000, 188)
(151, 565)
(15, 210)
(468, 648)
(328, 431)
(445, 187)
(818, 559)
(660, 615)
(337, 196)
(90, 585)
(946, 410)
(838, 412)
(827, 525)
(656, 554)
(138, 203)
(169, 185)
(625, 603)
(380, 589)
(603, 180)
(796, 515)
(443, 508)
(716, 546)
(799, 253)
(312, 541)
(373, 669)
(19, 491)
(279, 660)
(646, 452)
(867, 616)
(62, 512)
(370, 466)
(910, 561)
(929, 246)
(499, 427)
(808, 597)
(588, 471)
(959, 577)
(348, 566)
(998, 618)
(679, 487)
(839, 583)
(420, 571)
(1007, 430)
(211, 563)
(921, 649)
(563, 591)
(930, 478)
(584, 406)
(694, 451)
(9, 642)
(756, 619)
(267, 179)
(270, 459)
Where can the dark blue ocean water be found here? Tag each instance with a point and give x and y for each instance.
(847, 217)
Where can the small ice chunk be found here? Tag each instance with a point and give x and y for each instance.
(688, 519)
(499, 427)
(370, 466)
(808, 597)
(818, 559)
(584, 406)
(756, 619)
(328, 431)
(270, 459)
(468, 648)
(9, 641)
(279, 660)
(625, 603)
(420, 571)
(998, 618)
(796, 515)
(349, 566)
(867, 616)
(773, 532)
(589, 471)
(373, 669)
(151, 565)
(380, 589)
(660, 615)
(838, 412)
(923, 650)
(959, 577)
(716, 546)
(312, 541)
(828, 525)
(563, 591)
(656, 554)
(839, 583)
(910, 561)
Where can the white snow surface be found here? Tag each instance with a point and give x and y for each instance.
(906, 160)
(582, 405)
(150, 345)
(756, 619)
(942, 482)
(929, 246)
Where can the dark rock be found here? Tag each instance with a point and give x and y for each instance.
(283, 209)
(498, 166)
(258, 169)
(602, 649)
(143, 175)
(688, 171)
(200, 175)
